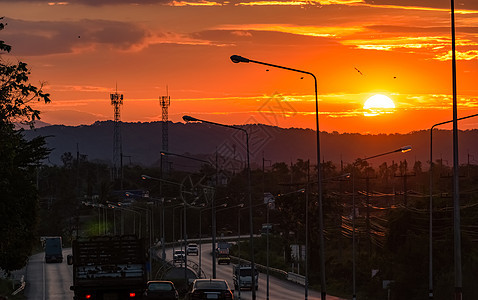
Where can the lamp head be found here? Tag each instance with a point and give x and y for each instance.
(406, 149)
(190, 119)
(237, 59)
(144, 177)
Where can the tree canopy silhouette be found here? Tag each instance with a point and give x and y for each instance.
(18, 160)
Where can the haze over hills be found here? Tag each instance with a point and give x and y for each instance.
(142, 143)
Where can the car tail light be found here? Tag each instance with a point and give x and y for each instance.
(132, 294)
(88, 297)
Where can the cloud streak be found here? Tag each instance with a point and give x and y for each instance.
(56, 37)
(463, 5)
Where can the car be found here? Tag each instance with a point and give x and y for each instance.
(159, 289)
(210, 289)
(179, 256)
(192, 249)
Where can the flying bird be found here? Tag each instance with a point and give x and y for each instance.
(358, 71)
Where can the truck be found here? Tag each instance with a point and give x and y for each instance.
(223, 256)
(53, 249)
(242, 276)
(108, 267)
(222, 246)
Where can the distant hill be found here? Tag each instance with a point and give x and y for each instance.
(38, 124)
(142, 143)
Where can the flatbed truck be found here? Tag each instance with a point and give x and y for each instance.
(108, 268)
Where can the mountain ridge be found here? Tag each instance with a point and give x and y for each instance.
(141, 143)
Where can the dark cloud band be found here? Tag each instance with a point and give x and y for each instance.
(45, 37)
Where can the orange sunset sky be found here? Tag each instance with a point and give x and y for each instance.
(82, 49)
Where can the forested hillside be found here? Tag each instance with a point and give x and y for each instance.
(142, 143)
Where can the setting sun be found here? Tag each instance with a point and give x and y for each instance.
(377, 105)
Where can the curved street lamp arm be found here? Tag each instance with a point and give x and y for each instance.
(237, 59)
(193, 119)
(401, 149)
(144, 177)
(184, 156)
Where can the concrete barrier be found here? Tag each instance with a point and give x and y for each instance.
(297, 278)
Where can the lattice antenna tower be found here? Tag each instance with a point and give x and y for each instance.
(165, 101)
(117, 101)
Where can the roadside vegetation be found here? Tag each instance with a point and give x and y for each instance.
(19, 159)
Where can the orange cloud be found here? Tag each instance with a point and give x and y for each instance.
(467, 55)
(316, 31)
(192, 3)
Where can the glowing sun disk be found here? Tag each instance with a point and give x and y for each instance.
(377, 105)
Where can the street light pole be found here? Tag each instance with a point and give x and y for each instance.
(200, 231)
(161, 180)
(249, 191)
(267, 221)
(239, 248)
(306, 289)
(403, 149)
(240, 59)
(456, 192)
(148, 214)
(213, 225)
(239, 245)
(185, 247)
(118, 206)
(430, 246)
(306, 190)
(163, 248)
(174, 208)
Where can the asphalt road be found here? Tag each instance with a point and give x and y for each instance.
(53, 280)
(278, 289)
(50, 281)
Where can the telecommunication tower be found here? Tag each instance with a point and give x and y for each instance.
(165, 101)
(117, 101)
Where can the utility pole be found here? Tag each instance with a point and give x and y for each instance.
(367, 203)
(405, 175)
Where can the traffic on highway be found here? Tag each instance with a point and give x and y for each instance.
(75, 279)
